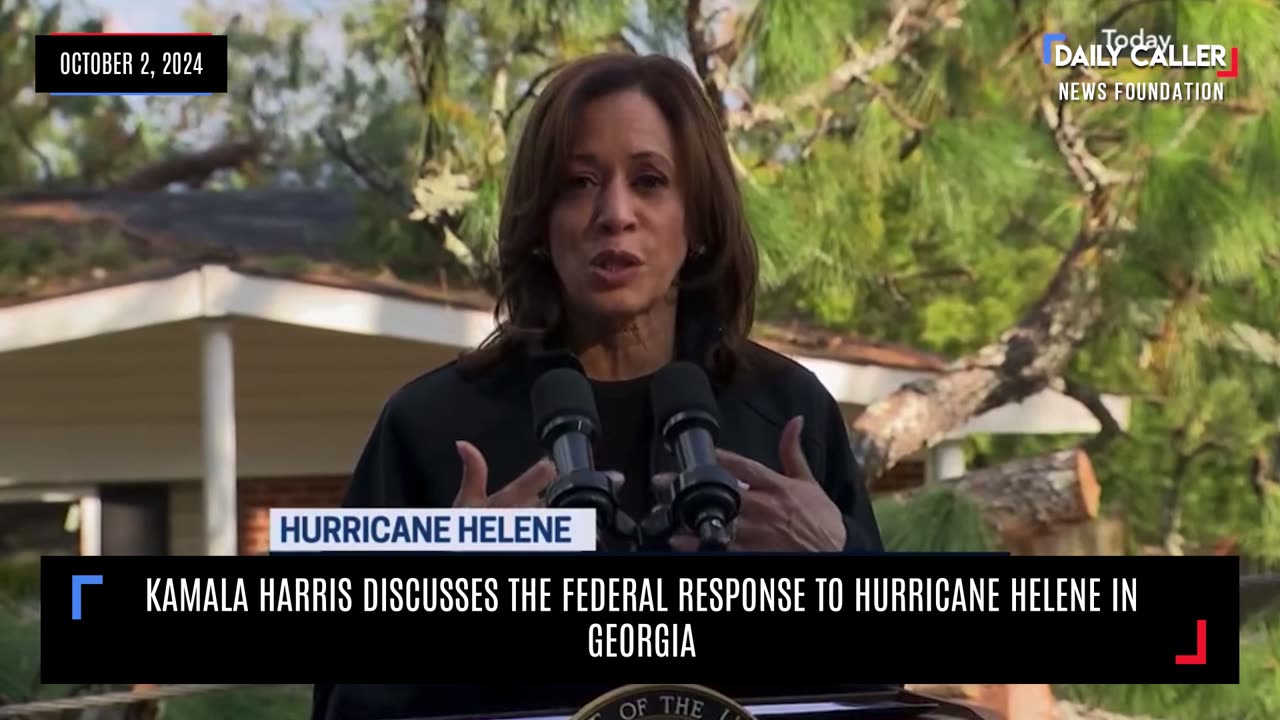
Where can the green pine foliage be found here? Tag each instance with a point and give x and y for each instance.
(797, 43)
(933, 519)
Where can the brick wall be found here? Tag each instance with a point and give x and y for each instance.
(257, 497)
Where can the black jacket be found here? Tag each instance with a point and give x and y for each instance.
(411, 461)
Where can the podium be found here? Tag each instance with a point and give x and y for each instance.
(882, 705)
(874, 703)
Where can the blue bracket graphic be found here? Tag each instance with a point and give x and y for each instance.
(77, 582)
(1047, 45)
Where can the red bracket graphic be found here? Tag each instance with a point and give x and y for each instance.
(1235, 65)
(1199, 657)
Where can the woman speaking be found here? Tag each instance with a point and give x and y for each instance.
(623, 246)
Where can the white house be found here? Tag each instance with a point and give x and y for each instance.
(163, 406)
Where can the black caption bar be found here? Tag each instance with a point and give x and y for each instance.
(614, 618)
(92, 64)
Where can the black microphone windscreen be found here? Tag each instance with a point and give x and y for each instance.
(562, 392)
(681, 387)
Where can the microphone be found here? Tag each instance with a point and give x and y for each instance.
(706, 497)
(566, 423)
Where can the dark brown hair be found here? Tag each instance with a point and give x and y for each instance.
(720, 279)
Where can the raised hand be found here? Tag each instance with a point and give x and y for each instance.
(523, 492)
(780, 512)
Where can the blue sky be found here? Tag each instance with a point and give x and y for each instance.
(167, 16)
(325, 39)
(142, 16)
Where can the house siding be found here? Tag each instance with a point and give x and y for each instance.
(186, 521)
(126, 407)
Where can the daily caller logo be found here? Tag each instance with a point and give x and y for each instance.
(1142, 50)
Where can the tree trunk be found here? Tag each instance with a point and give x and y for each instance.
(1031, 496)
(1171, 524)
(1028, 356)
(432, 78)
(1021, 363)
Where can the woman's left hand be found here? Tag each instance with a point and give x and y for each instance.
(787, 512)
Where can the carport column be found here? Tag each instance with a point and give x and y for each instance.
(218, 423)
(945, 460)
(91, 524)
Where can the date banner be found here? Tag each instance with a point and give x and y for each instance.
(131, 64)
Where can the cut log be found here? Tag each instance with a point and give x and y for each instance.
(1105, 536)
(1031, 496)
(1020, 364)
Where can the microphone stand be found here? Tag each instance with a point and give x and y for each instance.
(714, 534)
(593, 489)
(651, 534)
(654, 532)
(703, 493)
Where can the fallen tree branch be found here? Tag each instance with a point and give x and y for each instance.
(1089, 172)
(1030, 496)
(886, 96)
(702, 54)
(416, 71)
(1019, 364)
(1028, 356)
(24, 138)
(193, 169)
(1092, 400)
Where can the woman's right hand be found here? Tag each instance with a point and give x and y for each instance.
(523, 492)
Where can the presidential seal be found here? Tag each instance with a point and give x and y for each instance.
(662, 702)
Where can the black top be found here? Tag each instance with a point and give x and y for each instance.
(626, 423)
(411, 461)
